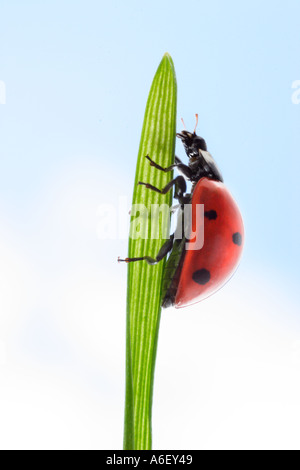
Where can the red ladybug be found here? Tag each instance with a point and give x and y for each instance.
(192, 275)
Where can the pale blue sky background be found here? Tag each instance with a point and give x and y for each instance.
(77, 75)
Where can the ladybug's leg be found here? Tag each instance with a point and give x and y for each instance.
(167, 246)
(184, 169)
(178, 182)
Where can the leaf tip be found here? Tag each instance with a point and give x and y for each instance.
(168, 57)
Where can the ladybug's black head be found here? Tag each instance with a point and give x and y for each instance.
(201, 163)
(192, 143)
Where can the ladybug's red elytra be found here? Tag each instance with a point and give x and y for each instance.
(192, 275)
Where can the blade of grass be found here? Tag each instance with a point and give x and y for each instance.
(144, 281)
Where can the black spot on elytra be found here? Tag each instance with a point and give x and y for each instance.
(237, 238)
(202, 276)
(211, 215)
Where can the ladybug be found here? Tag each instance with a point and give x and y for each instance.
(192, 275)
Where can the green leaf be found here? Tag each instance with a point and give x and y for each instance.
(144, 281)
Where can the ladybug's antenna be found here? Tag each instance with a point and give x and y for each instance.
(183, 123)
(196, 123)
